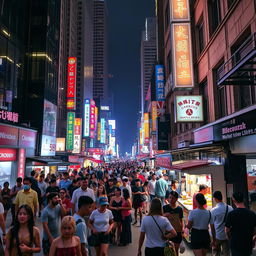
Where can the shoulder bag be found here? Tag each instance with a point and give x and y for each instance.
(169, 249)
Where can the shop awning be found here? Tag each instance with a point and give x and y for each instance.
(30, 161)
(189, 165)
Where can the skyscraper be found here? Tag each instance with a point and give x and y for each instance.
(148, 56)
(100, 69)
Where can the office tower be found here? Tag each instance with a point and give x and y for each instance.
(100, 69)
(148, 56)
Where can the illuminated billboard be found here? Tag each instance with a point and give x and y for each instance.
(182, 56)
(86, 132)
(154, 116)
(112, 123)
(77, 136)
(189, 108)
(70, 130)
(71, 88)
(92, 118)
(60, 144)
(180, 10)
(146, 127)
(102, 131)
(159, 70)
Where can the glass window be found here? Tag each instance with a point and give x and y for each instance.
(204, 92)
(214, 15)
(200, 35)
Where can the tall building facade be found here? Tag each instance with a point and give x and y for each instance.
(100, 67)
(147, 56)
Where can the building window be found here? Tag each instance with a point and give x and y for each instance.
(203, 89)
(214, 15)
(167, 17)
(200, 35)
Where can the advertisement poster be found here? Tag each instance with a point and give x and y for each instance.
(50, 117)
(48, 147)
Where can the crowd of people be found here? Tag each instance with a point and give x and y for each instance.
(96, 207)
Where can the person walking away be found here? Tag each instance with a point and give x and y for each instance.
(6, 198)
(198, 221)
(65, 201)
(220, 245)
(138, 200)
(53, 188)
(101, 223)
(75, 185)
(2, 229)
(42, 186)
(67, 243)
(240, 227)
(23, 237)
(51, 216)
(203, 191)
(125, 186)
(65, 182)
(14, 191)
(152, 186)
(84, 190)
(174, 213)
(126, 233)
(114, 206)
(161, 188)
(157, 230)
(27, 196)
(85, 207)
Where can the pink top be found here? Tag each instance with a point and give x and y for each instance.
(125, 213)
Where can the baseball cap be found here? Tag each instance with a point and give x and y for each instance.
(103, 200)
(124, 178)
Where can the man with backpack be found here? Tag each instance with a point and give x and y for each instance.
(220, 245)
(85, 208)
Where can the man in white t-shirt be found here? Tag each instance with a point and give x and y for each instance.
(151, 187)
(82, 191)
(3, 229)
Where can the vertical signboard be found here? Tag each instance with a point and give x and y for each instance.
(77, 136)
(71, 88)
(154, 115)
(92, 119)
(146, 127)
(21, 162)
(86, 118)
(180, 10)
(70, 130)
(99, 131)
(182, 54)
(160, 95)
(102, 131)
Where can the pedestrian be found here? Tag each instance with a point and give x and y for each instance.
(240, 227)
(138, 200)
(67, 244)
(100, 193)
(84, 190)
(53, 188)
(220, 245)
(75, 185)
(110, 188)
(51, 216)
(6, 198)
(2, 228)
(65, 201)
(114, 206)
(85, 207)
(14, 191)
(146, 198)
(151, 186)
(182, 185)
(126, 233)
(198, 221)
(157, 230)
(23, 237)
(65, 182)
(101, 223)
(174, 213)
(161, 188)
(42, 186)
(125, 185)
(203, 191)
(27, 196)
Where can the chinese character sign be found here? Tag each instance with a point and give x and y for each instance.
(77, 136)
(87, 118)
(154, 115)
(159, 69)
(102, 132)
(146, 127)
(71, 89)
(9, 116)
(183, 67)
(92, 118)
(180, 10)
(70, 130)
(189, 108)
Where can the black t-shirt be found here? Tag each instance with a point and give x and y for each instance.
(111, 191)
(138, 197)
(176, 215)
(241, 222)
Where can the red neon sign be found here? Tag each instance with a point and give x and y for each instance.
(8, 154)
(71, 90)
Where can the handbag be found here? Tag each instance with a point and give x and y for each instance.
(169, 249)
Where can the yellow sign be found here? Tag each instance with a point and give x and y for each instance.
(154, 115)
(98, 131)
(141, 137)
(146, 127)
(180, 10)
(182, 53)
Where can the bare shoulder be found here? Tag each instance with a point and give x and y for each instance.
(77, 239)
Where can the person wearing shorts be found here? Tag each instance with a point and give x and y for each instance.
(101, 223)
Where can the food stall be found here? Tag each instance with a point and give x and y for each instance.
(199, 172)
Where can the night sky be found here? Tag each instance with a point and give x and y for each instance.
(126, 21)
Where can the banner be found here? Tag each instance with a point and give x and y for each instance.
(71, 90)
(160, 96)
(86, 118)
(180, 10)
(154, 115)
(77, 136)
(102, 131)
(70, 130)
(146, 127)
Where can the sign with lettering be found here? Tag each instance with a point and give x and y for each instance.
(154, 116)
(27, 138)
(92, 118)
(77, 136)
(182, 56)
(189, 108)
(86, 118)
(70, 130)
(146, 127)
(21, 163)
(160, 95)
(8, 135)
(9, 116)
(8, 154)
(179, 10)
(71, 89)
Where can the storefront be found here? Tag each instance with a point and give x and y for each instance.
(16, 143)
